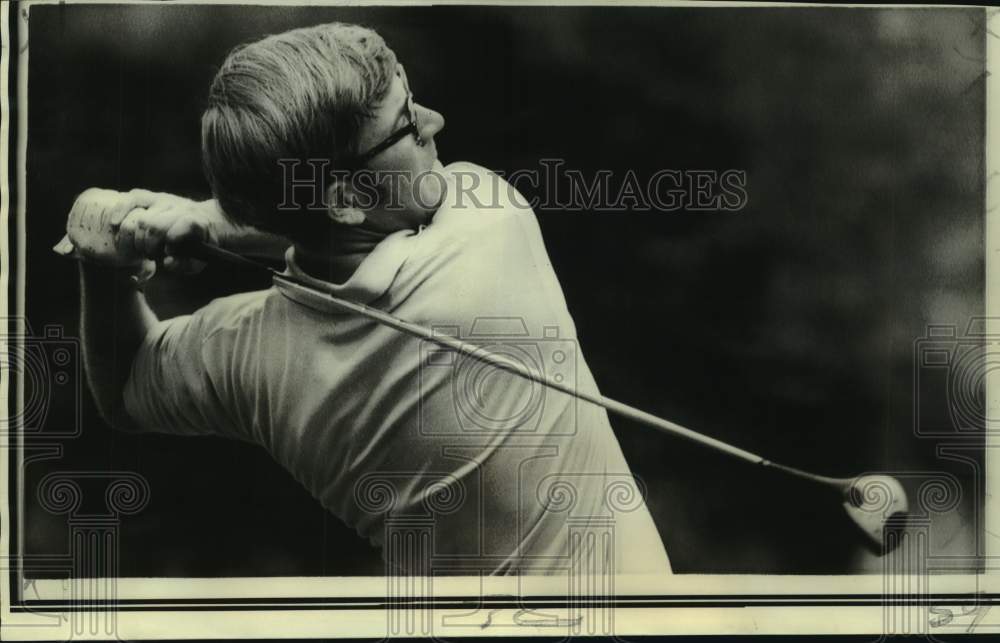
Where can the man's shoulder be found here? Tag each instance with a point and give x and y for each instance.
(467, 167)
(476, 188)
(232, 312)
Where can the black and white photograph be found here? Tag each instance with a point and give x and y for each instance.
(351, 319)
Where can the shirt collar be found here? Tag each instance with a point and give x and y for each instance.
(372, 279)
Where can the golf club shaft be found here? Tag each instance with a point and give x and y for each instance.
(214, 254)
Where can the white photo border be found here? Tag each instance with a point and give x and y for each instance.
(364, 607)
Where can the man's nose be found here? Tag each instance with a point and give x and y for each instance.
(431, 122)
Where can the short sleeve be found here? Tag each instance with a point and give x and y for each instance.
(170, 388)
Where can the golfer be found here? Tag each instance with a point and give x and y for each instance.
(385, 430)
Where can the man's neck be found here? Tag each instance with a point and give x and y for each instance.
(336, 255)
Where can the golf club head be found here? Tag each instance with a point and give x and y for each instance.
(871, 501)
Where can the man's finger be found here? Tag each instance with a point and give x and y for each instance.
(143, 198)
(153, 241)
(120, 207)
(125, 238)
(140, 235)
(153, 244)
(182, 233)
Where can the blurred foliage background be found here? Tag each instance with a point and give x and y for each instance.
(787, 328)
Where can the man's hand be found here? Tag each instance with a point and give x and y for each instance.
(137, 228)
(161, 225)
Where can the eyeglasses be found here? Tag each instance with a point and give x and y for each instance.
(412, 127)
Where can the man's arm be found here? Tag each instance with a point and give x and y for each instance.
(245, 240)
(117, 235)
(114, 320)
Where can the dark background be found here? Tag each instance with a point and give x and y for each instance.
(787, 328)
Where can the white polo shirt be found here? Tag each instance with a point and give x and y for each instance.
(439, 459)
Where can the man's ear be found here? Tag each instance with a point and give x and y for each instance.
(340, 200)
